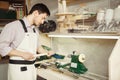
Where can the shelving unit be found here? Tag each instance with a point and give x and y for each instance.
(103, 56)
(87, 35)
(20, 9)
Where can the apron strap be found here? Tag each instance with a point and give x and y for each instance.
(21, 62)
(24, 27)
(34, 30)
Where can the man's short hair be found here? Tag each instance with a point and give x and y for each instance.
(42, 8)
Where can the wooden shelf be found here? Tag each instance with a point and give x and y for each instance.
(7, 20)
(13, 1)
(95, 35)
(91, 19)
(16, 1)
(20, 7)
(65, 13)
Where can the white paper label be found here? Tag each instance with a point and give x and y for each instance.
(74, 65)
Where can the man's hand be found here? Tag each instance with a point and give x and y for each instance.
(24, 55)
(27, 56)
(51, 53)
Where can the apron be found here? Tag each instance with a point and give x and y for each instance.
(20, 69)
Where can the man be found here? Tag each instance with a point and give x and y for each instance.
(19, 40)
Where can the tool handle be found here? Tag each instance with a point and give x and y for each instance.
(38, 55)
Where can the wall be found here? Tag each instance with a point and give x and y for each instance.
(114, 3)
(97, 52)
(45, 40)
(52, 5)
(92, 6)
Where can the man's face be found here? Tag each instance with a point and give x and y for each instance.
(40, 18)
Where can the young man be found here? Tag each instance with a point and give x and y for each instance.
(19, 40)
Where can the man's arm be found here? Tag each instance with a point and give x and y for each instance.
(24, 55)
(42, 50)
